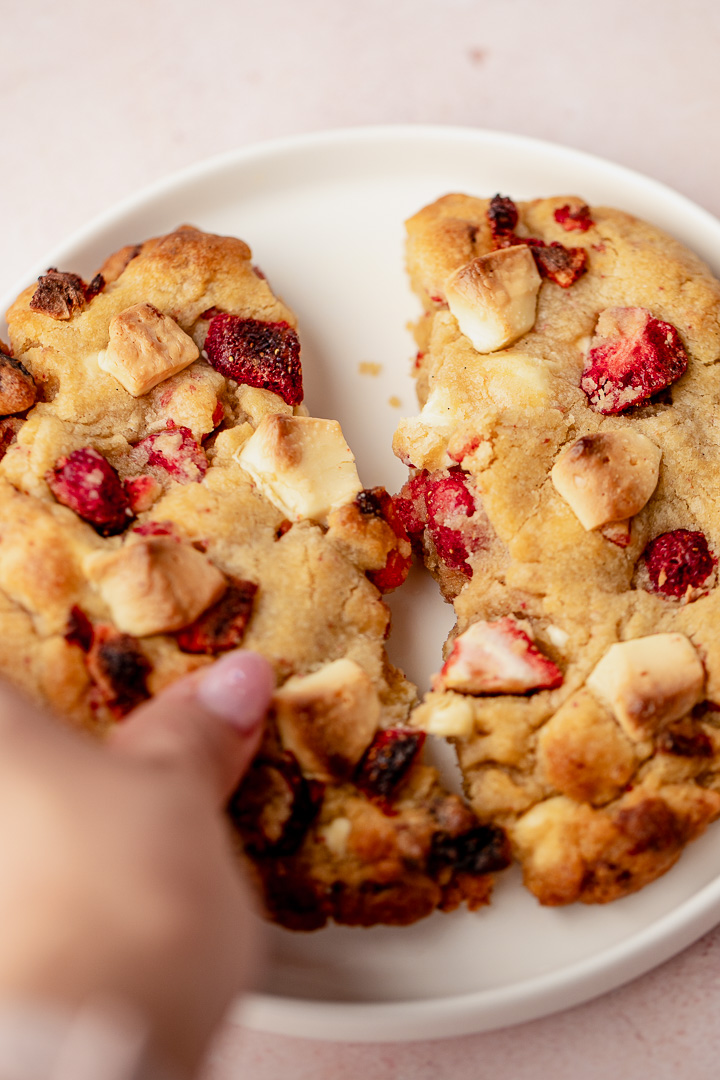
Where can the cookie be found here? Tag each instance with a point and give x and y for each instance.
(165, 497)
(563, 490)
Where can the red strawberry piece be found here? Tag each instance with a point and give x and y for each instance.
(176, 452)
(497, 658)
(275, 806)
(95, 287)
(79, 629)
(574, 220)
(678, 561)
(376, 502)
(261, 354)
(157, 528)
(9, 428)
(478, 851)
(89, 485)
(410, 505)
(222, 626)
(387, 760)
(142, 492)
(631, 357)
(502, 215)
(560, 264)
(119, 670)
(459, 453)
(449, 503)
(218, 415)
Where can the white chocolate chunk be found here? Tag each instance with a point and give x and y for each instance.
(649, 682)
(145, 348)
(327, 719)
(607, 476)
(302, 465)
(447, 716)
(336, 834)
(155, 585)
(494, 297)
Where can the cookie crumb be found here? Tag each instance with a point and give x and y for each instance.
(394, 401)
(367, 367)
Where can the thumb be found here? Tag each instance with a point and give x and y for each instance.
(210, 723)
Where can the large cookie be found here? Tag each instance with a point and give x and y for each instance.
(565, 471)
(168, 498)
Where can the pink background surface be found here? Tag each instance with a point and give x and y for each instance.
(97, 100)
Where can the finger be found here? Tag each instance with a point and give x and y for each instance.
(209, 723)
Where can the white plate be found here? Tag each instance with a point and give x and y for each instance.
(324, 214)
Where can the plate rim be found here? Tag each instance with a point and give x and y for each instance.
(529, 999)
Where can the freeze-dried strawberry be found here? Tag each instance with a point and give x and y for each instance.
(497, 658)
(479, 851)
(377, 503)
(260, 354)
(685, 739)
(142, 492)
(119, 670)
(577, 220)
(631, 357)
(387, 761)
(442, 502)
(560, 264)
(554, 261)
(89, 485)
(175, 451)
(218, 415)
(95, 287)
(79, 629)
(502, 215)
(411, 507)
(58, 294)
(222, 626)
(9, 428)
(157, 528)
(275, 806)
(678, 562)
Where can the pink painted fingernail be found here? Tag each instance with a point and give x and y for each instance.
(238, 688)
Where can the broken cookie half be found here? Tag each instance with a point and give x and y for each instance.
(562, 490)
(171, 500)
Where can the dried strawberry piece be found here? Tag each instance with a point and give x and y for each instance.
(176, 452)
(560, 264)
(119, 670)
(275, 806)
(685, 739)
(95, 287)
(478, 851)
(79, 629)
(554, 261)
(497, 658)
(376, 502)
(142, 492)
(58, 294)
(89, 485)
(502, 215)
(574, 220)
(157, 528)
(9, 428)
(222, 626)
(678, 561)
(261, 354)
(387, 760)
(442, 502)
(218, 415)
(632, 357)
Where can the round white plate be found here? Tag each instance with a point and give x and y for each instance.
(324, 216)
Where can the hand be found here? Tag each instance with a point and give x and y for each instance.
(116, 873)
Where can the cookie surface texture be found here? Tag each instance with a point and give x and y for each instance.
(161, 503)
(563, 490)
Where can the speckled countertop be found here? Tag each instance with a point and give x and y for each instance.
(98, 100)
